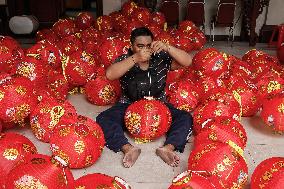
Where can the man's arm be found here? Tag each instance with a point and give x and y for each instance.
(115, 71)
(181, 58)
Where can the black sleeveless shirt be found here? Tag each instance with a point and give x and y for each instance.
(137, 83)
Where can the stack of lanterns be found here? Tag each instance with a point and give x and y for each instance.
(218, 90)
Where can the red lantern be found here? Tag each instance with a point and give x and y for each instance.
(128, 7)
(210, 62)
(70, 44)
(10, 51)
(183, 42)
(270, 86)
(130, 26)
(90, 33)
(80, 144)
(64, 27)
(101, 91)
(58, 85)
(79, 68)
(120, 22)
(187, 26)
(273, 113)
(154, 28)
(142, 15)
(104, 23)
(110, 49)
(192, 179)
(46, 34)
(226, 166)
(98, 180)
(48, 114)
(249, 99)
(165, 37)
(212, 109)
(13, 149)
(158, 18)
(198, 39)
(84, 20)
(184, 95)
(221, 129)
(16, 100)
(34, 70)
(147, 120)
(268, 174)
(40, 171)
(46, 52)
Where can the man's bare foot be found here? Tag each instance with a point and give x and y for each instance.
(167, 154)
(131, 154)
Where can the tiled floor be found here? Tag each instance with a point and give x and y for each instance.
(150, 172)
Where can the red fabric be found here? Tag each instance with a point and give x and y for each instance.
(227, 167)
(13, 149)
(40, 171)
(268, 174)
(79, 144)
(147, 119)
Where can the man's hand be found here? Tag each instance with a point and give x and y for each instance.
(143, 55)
(158, 46)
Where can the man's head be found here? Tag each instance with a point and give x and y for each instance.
(141, 38)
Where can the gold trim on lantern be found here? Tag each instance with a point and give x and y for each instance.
(10, 154)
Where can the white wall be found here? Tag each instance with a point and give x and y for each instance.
(275, 14)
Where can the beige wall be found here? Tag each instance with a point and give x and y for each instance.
(275, 13)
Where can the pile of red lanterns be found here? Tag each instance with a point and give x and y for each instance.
(218, 89)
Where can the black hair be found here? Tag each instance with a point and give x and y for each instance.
(142, 31)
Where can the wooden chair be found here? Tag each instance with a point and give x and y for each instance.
(224, 18)
(195, 12)
(170, 8)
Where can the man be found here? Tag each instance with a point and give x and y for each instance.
(142, 72)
